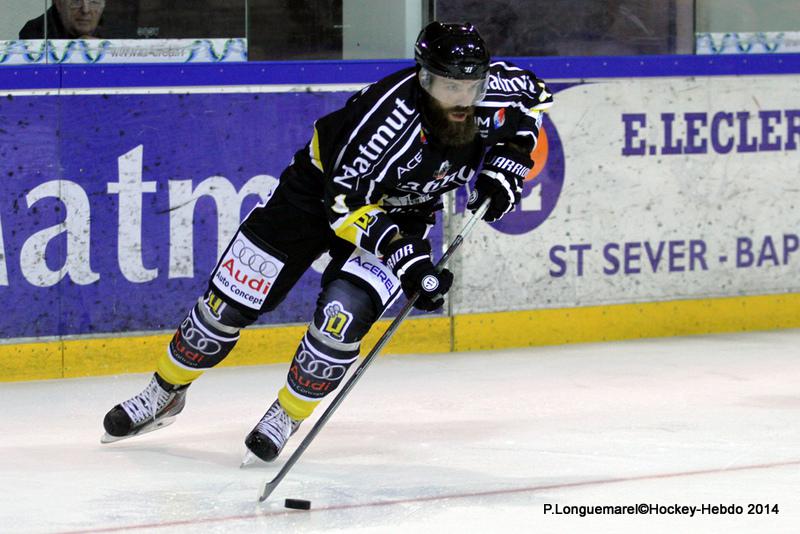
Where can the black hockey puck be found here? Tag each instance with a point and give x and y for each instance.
(297, 504)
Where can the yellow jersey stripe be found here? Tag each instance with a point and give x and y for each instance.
(347, 229)
(316, 159)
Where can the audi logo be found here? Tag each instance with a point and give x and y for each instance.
(195, 338)
(319, 368)
(253, 260)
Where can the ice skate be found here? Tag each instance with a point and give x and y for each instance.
(153, 408)
(267, 439)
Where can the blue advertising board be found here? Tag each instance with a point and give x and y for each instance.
(115, 207)
(117, 199)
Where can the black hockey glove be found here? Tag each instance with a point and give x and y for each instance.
(500, 180)
(409, 258)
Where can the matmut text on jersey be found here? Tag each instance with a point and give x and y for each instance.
(378, 152)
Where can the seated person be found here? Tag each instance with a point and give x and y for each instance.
(67, 19)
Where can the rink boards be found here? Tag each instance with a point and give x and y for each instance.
(664, 202)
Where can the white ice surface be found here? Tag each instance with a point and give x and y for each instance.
(471, 442)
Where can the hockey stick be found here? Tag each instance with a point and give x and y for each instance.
(270, 486)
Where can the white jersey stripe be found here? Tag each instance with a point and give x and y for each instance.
(412, 125)
(375, 108)
(505, 65)
(414, 135)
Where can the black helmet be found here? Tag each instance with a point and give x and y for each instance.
(452, 50)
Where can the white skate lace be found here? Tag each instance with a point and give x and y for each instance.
(277, 425)
(141, 407)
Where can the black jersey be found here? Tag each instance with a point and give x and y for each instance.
(375, 160)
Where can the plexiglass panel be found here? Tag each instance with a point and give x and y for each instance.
(117, 31)
(108, 31)
(572, 27)
(15, 14)
(747, 26)
(295, 29)
(165, 19)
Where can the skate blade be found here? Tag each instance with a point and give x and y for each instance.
(161, 423)
(251, 460)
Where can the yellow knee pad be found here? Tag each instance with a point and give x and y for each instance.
(174, 373)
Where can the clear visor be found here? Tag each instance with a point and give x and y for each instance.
(452, 92)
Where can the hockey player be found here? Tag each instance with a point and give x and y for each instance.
(365, 188)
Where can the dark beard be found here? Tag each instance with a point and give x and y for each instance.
(447, 132)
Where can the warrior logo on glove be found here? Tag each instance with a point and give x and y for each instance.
(504, 170)
(430, 283)
(409, 258)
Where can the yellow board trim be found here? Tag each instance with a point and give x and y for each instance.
(625, 321)
(31, 361)
(139, 354)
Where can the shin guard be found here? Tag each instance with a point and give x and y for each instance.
(205, 337)
(317, 369)
(344, 314)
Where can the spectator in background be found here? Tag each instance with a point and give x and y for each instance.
(67, 19)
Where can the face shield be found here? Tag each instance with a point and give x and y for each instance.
(451, 92)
